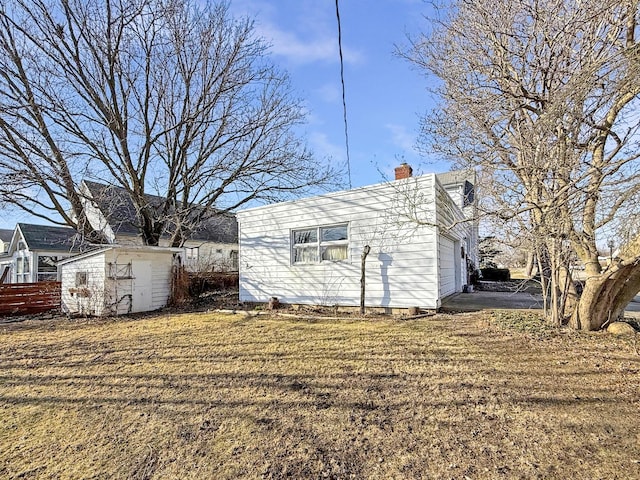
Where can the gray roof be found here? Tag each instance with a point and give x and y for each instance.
(116, 205)
(45, 237)
(6, 235)
(457, 177)
(466, 178)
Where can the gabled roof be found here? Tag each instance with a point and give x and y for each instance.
(45, 237)
(119, 211)
(6, 234)
(117, 207)
(220, 228)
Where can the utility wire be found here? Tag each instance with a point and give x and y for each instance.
(344, 101)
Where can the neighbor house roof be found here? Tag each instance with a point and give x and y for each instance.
(464, 178)
(119, 211)
(6, 234)
(45, 237)
(456, 177)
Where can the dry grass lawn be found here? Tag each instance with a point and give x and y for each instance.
(220, 397)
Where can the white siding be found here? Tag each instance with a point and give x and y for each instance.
(122, 286)
(212, 257)
(446, 269)
(111, 288)
(89, 299)
(94, 215)
(460, 230)
(396, 219)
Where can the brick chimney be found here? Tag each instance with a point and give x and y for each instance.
(403, 171)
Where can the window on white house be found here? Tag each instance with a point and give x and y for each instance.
(313, 245)
(305, 246)
(47, 269)
(23, 268)
(191, 254)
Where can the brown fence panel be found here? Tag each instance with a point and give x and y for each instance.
(27, 298)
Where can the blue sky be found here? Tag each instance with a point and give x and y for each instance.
(385, 94)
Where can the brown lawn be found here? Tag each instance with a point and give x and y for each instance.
(214, 397)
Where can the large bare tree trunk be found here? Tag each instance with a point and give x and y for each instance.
(605, 297)
(555, 129)
(531, 264)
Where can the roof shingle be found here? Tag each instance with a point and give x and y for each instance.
(116, 205)
(45, 237)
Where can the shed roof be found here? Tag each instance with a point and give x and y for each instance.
(126, 248)
(46, 237)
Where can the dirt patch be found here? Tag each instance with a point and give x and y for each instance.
(228, 396)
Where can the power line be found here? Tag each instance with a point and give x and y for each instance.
(344, 101)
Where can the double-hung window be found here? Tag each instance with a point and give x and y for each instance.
(318, 244)
(191, 255)
(23, 270)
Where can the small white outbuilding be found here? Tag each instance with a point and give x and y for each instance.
(420, 230)
(115, 280)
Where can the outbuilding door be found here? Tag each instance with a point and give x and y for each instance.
(446, 266)
(141, 295)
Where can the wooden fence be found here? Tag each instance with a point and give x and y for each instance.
(27, 298)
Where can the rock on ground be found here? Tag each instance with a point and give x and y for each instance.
(621, 328)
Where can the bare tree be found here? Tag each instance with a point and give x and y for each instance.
(542, 95)
(170, 97)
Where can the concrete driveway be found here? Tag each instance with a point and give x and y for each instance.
(480, 300)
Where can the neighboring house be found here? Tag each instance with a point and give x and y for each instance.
(309, 251)
(116, 279)
(34, 251)
(213, 247)
(5, 259)
(5, 240)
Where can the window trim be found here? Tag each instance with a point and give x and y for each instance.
(47, 275)
(82, 278)
(23, 269)
(191, 254)
(319, 244)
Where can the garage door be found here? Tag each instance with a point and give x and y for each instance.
(447, 270)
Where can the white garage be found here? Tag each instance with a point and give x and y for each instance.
(309, 251)
(446, 266)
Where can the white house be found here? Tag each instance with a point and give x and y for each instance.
(5, 259)
(5, 240)
(116, 279)
(213, 247)
(309, 251)
(33, 251)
